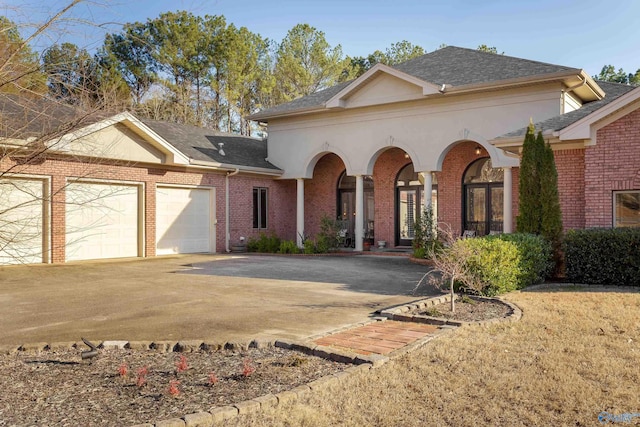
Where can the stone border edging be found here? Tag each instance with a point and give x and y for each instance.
(401, 313)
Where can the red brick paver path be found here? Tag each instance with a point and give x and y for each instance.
(378, 337)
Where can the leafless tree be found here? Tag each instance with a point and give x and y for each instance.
(36, 128)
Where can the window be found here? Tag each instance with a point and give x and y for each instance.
(483, 198)
(259, 208)
(626, 208)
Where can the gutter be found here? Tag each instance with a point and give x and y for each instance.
(227, 231)
(231, 168)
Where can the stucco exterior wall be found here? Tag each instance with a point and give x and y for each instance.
(612, 164)
(424, 129)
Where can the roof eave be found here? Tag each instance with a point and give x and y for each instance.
(231, 167)
(530, 80)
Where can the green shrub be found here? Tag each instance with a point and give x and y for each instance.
(494, 262)
(328, 240)
(288, 247)
(536, 257)
(309, 246)
(603, 256)
(507, 262)
(425, 237)
(265, 243)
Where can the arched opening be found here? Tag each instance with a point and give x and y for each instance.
(347, 207)
(483, 192)
(409, 202)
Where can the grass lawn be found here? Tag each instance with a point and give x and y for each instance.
(574, 354)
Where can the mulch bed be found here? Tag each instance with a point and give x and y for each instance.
(468, 309)
(57, 388)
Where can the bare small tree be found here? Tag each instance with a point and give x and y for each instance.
(450, 265)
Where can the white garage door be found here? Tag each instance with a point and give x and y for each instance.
(184, 221)
(102, 221)
(21, 221)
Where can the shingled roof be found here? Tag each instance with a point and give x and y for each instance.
(613, 91)
(204, 145)
(453, 66)
(23, 117)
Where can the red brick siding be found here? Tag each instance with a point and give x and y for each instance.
(450, 183)
(612, 164)
(320, 193)
(570, 166)
(385, 172)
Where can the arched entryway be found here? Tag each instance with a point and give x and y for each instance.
(347, 206)
(483, 198)
(410, 202)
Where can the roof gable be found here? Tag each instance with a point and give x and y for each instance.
(381, 85)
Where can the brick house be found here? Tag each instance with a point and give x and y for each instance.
(448, 125)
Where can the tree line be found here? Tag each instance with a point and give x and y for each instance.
(198, 70)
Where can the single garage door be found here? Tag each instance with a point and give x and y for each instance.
(22, 221)
(184, 220)
(102, 221)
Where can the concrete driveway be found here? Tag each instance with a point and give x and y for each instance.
(213, 297)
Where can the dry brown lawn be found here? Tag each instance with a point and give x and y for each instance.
(574, 354)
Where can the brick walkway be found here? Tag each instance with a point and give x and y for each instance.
(379, 337)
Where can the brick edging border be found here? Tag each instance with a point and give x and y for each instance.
(402, 312)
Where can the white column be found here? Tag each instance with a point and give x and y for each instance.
(508, 198)
(428, 188)
(359, 211)
(300, 212)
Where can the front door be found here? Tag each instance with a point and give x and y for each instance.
(484, 208)
(409, 202)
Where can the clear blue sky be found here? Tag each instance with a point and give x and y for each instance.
(583, 34)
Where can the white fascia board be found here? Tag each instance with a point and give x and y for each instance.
(582, 128)
(338, 100)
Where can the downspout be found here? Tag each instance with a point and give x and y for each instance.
(226, 210)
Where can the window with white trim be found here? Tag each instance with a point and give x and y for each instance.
(626, 208)
(260, 208)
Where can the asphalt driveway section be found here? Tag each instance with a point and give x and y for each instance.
(386, 275)
(180, 298)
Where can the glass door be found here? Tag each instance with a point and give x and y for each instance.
(476, 209)
(409, 203)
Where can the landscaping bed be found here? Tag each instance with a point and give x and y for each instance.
(127, 387)
(467, 309)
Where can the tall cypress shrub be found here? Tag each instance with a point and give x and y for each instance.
(539, 210)
(529, 218)
(551, 225)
